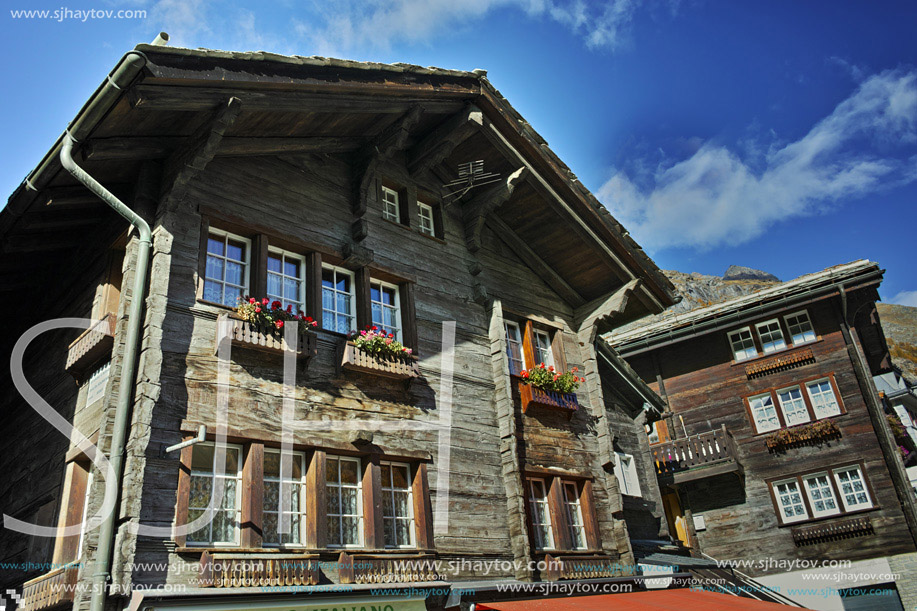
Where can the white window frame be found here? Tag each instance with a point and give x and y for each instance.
(301, 482)
(331, 488)
(777, 496)
(548, 351)
(383, 306)
(538, 519)
(764, 345)
(759, 426)
(353, 299)
(574, 513)
(425, 223)
(409, 519)
(626, 472)
(827, 487)
(388, 204)
(814, 398)
(238, 501)
(742, 354)
(789, 327)
(840, 488)
(517, 340)
(801, 400)
(246, 264)
(300, 304)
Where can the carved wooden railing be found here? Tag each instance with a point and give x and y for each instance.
(91, 346)
(235, 570)
(387, 568)
(400, 368)
(832, 531)
(51, 589)
(705, 449)
(582, 567)
(790, 360)
(247, 335)
(530, 396)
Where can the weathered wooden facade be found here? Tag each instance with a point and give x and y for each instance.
(326, 178)
(775, 449)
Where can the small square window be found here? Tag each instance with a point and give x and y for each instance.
(425, 223)
(793, 405)
(743, 345)
(800, 328)
(771, 336)
(391, 205)
(821, 495)
(852, 488)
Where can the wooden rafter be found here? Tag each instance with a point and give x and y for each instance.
(475, 212)
(199, 148)
(535, 262)
(590, 315)
(160, 147)
(440, 143)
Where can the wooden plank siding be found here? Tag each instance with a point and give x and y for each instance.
(705, 389)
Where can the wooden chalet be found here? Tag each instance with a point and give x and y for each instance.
(353, 193)
(775, 449)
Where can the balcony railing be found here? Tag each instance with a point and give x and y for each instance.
(51, 590)
(400, 368)
(236, 570)
(590, 566)
(247, 335)
(387, 568)
(91, 346)
(696, 457)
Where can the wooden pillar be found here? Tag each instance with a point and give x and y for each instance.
(314, 287)
(423, 508)
(373, 530)
(316, 502)
(253, 496)
(184, 489)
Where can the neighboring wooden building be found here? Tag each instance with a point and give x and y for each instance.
(775, 449)
(325, 178)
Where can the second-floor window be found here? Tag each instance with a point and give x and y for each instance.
(227, 268)
(286, 273)
(345, 501)
(386, 307)
(824, 401)
(425, 222)
(543, 352)
(391, 205)
(800, 327)
(338, 311)
(514, 347)
(223, 529)
(771, 336)
(819, 494)
(743, 345)
(793, 405)
(764, 413)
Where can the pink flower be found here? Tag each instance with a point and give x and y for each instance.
(408, 350)
(265, 301)
(363, 333)
(257, 309)
(279, 324)
(251, 300)
(314, 323)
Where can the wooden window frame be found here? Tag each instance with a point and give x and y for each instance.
(303, 501)
(398, 203)
(421, 218)
(831, 471)
(361, 502)
(531, 500)
(240, 494)
(802, 396)
(536, 332)
(803, 386)
(808, 493)
(732, 344)
(382, 284)
(557, 512)
(354, 308)
(521, 341)
(789, 331)
(765, 323)
(206, 230)
(412, 529)
(569, 508)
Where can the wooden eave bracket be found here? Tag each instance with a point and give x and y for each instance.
(199, 149)
(440, 143)
(475, 212)
(590, 315)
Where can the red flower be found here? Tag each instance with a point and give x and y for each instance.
(375, 328)
(251, 300)
(279, 324)
(575, 369)
(524, 373)
(582, 379)
(257, 309)
(314, 323)
(308, 319)
(551, 368)
(276, 305)
(541, 365)
(265, 301)
(391, 335)
(290, 309)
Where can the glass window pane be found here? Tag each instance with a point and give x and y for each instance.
(348, 472)
(273, 264)
(235, 250)
(202, 458)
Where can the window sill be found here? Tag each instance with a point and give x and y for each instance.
(767, 355)
(834, 516)
(214, 304)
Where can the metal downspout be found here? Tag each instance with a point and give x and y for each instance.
(131, 348)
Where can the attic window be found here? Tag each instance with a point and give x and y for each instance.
(391, 205)
(425, 219)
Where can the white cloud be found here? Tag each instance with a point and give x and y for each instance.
(905, 298)
(715, 197)
(341, 26)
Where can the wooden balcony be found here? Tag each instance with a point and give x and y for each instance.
(400, 368)
(51, 590)
(387, 568)
(696, 457)
(834, 530)
(246, 570)
(94, 344)
(592, 566)
(247, 335)
(546, 399)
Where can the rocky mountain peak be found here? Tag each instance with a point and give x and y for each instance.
(737, 272)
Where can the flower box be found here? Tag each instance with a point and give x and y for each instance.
(247, 335)
(399, 368)
(813, 433)
(549, 399)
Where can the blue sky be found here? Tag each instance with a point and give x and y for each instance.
(779, 135)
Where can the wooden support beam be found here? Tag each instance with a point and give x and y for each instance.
(535, 262)
(153, 147)
(394, 137)
(440, 143)
(165, 97)
(475, 212)
(591, 315)
(188, 161)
